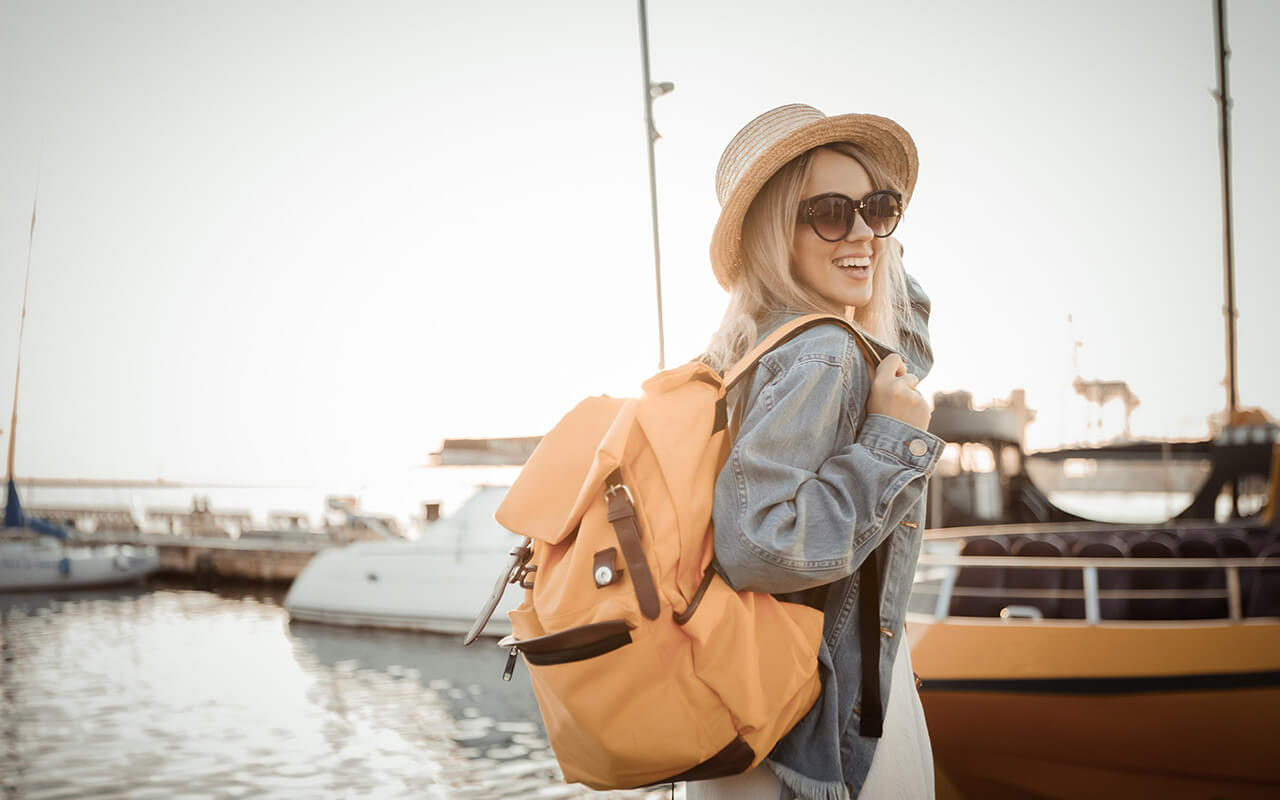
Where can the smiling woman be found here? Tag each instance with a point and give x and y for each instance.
(822, 492)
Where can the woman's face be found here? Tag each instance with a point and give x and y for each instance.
(839, 272)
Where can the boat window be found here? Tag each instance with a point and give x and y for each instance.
(1253, 498)
(949, 463)
(1079, 467)
(977, 457)
(1010, 460)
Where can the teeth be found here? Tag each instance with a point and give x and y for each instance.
(851, 261)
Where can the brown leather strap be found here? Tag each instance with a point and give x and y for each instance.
(511, 573)
(622, 514)
(687, 614)
(871, 721)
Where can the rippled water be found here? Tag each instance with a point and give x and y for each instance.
(171, 692)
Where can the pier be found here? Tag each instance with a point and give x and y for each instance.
(210, 559)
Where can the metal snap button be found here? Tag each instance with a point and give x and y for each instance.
(604, 576)
(918, 447)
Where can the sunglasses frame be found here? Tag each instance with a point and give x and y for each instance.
(805, 214)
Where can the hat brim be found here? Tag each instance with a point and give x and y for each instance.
(883, 139)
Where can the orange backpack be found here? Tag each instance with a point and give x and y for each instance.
(647, 667)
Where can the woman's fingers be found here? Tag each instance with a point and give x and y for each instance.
(894, 367)
(891, 366)
(894, 393)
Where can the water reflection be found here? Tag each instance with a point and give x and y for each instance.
(173, 692)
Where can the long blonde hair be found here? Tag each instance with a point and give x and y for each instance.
(767, 284)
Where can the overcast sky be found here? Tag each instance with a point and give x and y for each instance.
(302, 240)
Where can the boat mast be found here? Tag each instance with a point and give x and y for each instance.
(1223, 96)
(652, 90)
(22, 325)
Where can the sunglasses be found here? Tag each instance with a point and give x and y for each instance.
(831, 215)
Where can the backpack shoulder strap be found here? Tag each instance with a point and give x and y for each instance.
(789, 331)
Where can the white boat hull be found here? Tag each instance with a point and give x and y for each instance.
(41, 564)
(400, 585)
(437, 584)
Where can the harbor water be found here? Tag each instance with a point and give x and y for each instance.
(169, 692)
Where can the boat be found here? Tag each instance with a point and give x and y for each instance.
(436, 583)
(36, 554)
(32, 561)
(1078, 659)
(1064, 657)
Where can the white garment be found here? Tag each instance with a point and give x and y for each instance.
(902, 768)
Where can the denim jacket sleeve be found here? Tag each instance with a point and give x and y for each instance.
(806, 493)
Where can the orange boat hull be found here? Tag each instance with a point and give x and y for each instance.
(1065, 709)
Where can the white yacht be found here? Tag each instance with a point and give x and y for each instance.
(436, 583)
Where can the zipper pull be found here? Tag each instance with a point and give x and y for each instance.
(511, 664)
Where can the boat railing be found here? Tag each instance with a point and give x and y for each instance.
(951, 564)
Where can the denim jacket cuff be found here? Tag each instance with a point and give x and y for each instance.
(905, 442)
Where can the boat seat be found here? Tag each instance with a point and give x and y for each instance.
(1232, 546)
(1047, 546)
(1107, 546)
(979, 578)
(1194, 544)
(1260, 539)
(1264, 596)
(1068, 542)
(1155, 545)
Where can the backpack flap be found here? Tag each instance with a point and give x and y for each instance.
(565, 472)
(676, 377)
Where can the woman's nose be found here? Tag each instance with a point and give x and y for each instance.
(861, 231)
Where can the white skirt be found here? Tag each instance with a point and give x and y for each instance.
(902, 768)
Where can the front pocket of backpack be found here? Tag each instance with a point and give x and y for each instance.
(574, 644)
(617, 710)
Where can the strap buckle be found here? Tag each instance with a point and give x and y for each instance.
(521, 569)
(610, 491)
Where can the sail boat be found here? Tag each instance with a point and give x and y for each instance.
(1071, 658)
(36, 554)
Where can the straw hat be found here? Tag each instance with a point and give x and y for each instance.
(775, 137)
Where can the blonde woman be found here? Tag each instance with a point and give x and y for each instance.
(825, 482)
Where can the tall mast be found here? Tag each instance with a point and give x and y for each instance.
(1223, 95)
(22, 325)
(652, 90)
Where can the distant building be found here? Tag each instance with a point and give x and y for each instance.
(510, 451)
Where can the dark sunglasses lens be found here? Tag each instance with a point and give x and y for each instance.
(830, 218)
(882, 212)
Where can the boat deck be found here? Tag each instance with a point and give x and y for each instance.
(1101, 572)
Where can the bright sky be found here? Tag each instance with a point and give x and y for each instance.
(303, 240)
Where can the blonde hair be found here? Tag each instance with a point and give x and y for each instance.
(767, 284)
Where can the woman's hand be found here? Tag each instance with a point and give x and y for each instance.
(893, 393)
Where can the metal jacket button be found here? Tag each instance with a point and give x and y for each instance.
(918, 447)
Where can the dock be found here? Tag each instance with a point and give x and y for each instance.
(211, 559)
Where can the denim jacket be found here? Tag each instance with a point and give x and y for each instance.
(813, 485)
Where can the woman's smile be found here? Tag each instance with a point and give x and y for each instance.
(855, 267)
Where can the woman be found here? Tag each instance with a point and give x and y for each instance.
(830, 459)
